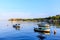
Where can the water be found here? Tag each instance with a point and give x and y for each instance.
(26, 31)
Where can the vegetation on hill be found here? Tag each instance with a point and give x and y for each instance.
(54, 18)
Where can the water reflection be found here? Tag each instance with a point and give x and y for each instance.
(29, 29)
(57, 24)
(42, 35)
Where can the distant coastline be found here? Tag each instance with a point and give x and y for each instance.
(50, 18)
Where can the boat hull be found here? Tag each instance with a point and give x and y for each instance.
(38, 30)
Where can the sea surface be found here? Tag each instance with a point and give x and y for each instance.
(26, 31)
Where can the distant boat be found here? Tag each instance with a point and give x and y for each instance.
(16, 25)
(43, 24)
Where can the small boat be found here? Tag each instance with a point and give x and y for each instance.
(16, 25)
(43, 24)
(46, 30)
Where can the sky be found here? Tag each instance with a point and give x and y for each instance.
(28, 8)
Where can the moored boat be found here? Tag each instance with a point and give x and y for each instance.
(46, 30)
(43, 24)
(16, 25)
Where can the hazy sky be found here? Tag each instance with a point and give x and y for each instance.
(28, 8)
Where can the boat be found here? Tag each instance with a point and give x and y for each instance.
(43, 24)
(42, 29)
(16, 25)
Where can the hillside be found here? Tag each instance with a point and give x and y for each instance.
(54, 18)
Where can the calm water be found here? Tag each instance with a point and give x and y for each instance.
(26, 31)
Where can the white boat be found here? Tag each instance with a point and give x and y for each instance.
(43, 24)
(43, 27)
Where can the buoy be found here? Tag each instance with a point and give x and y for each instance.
(54, 32)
